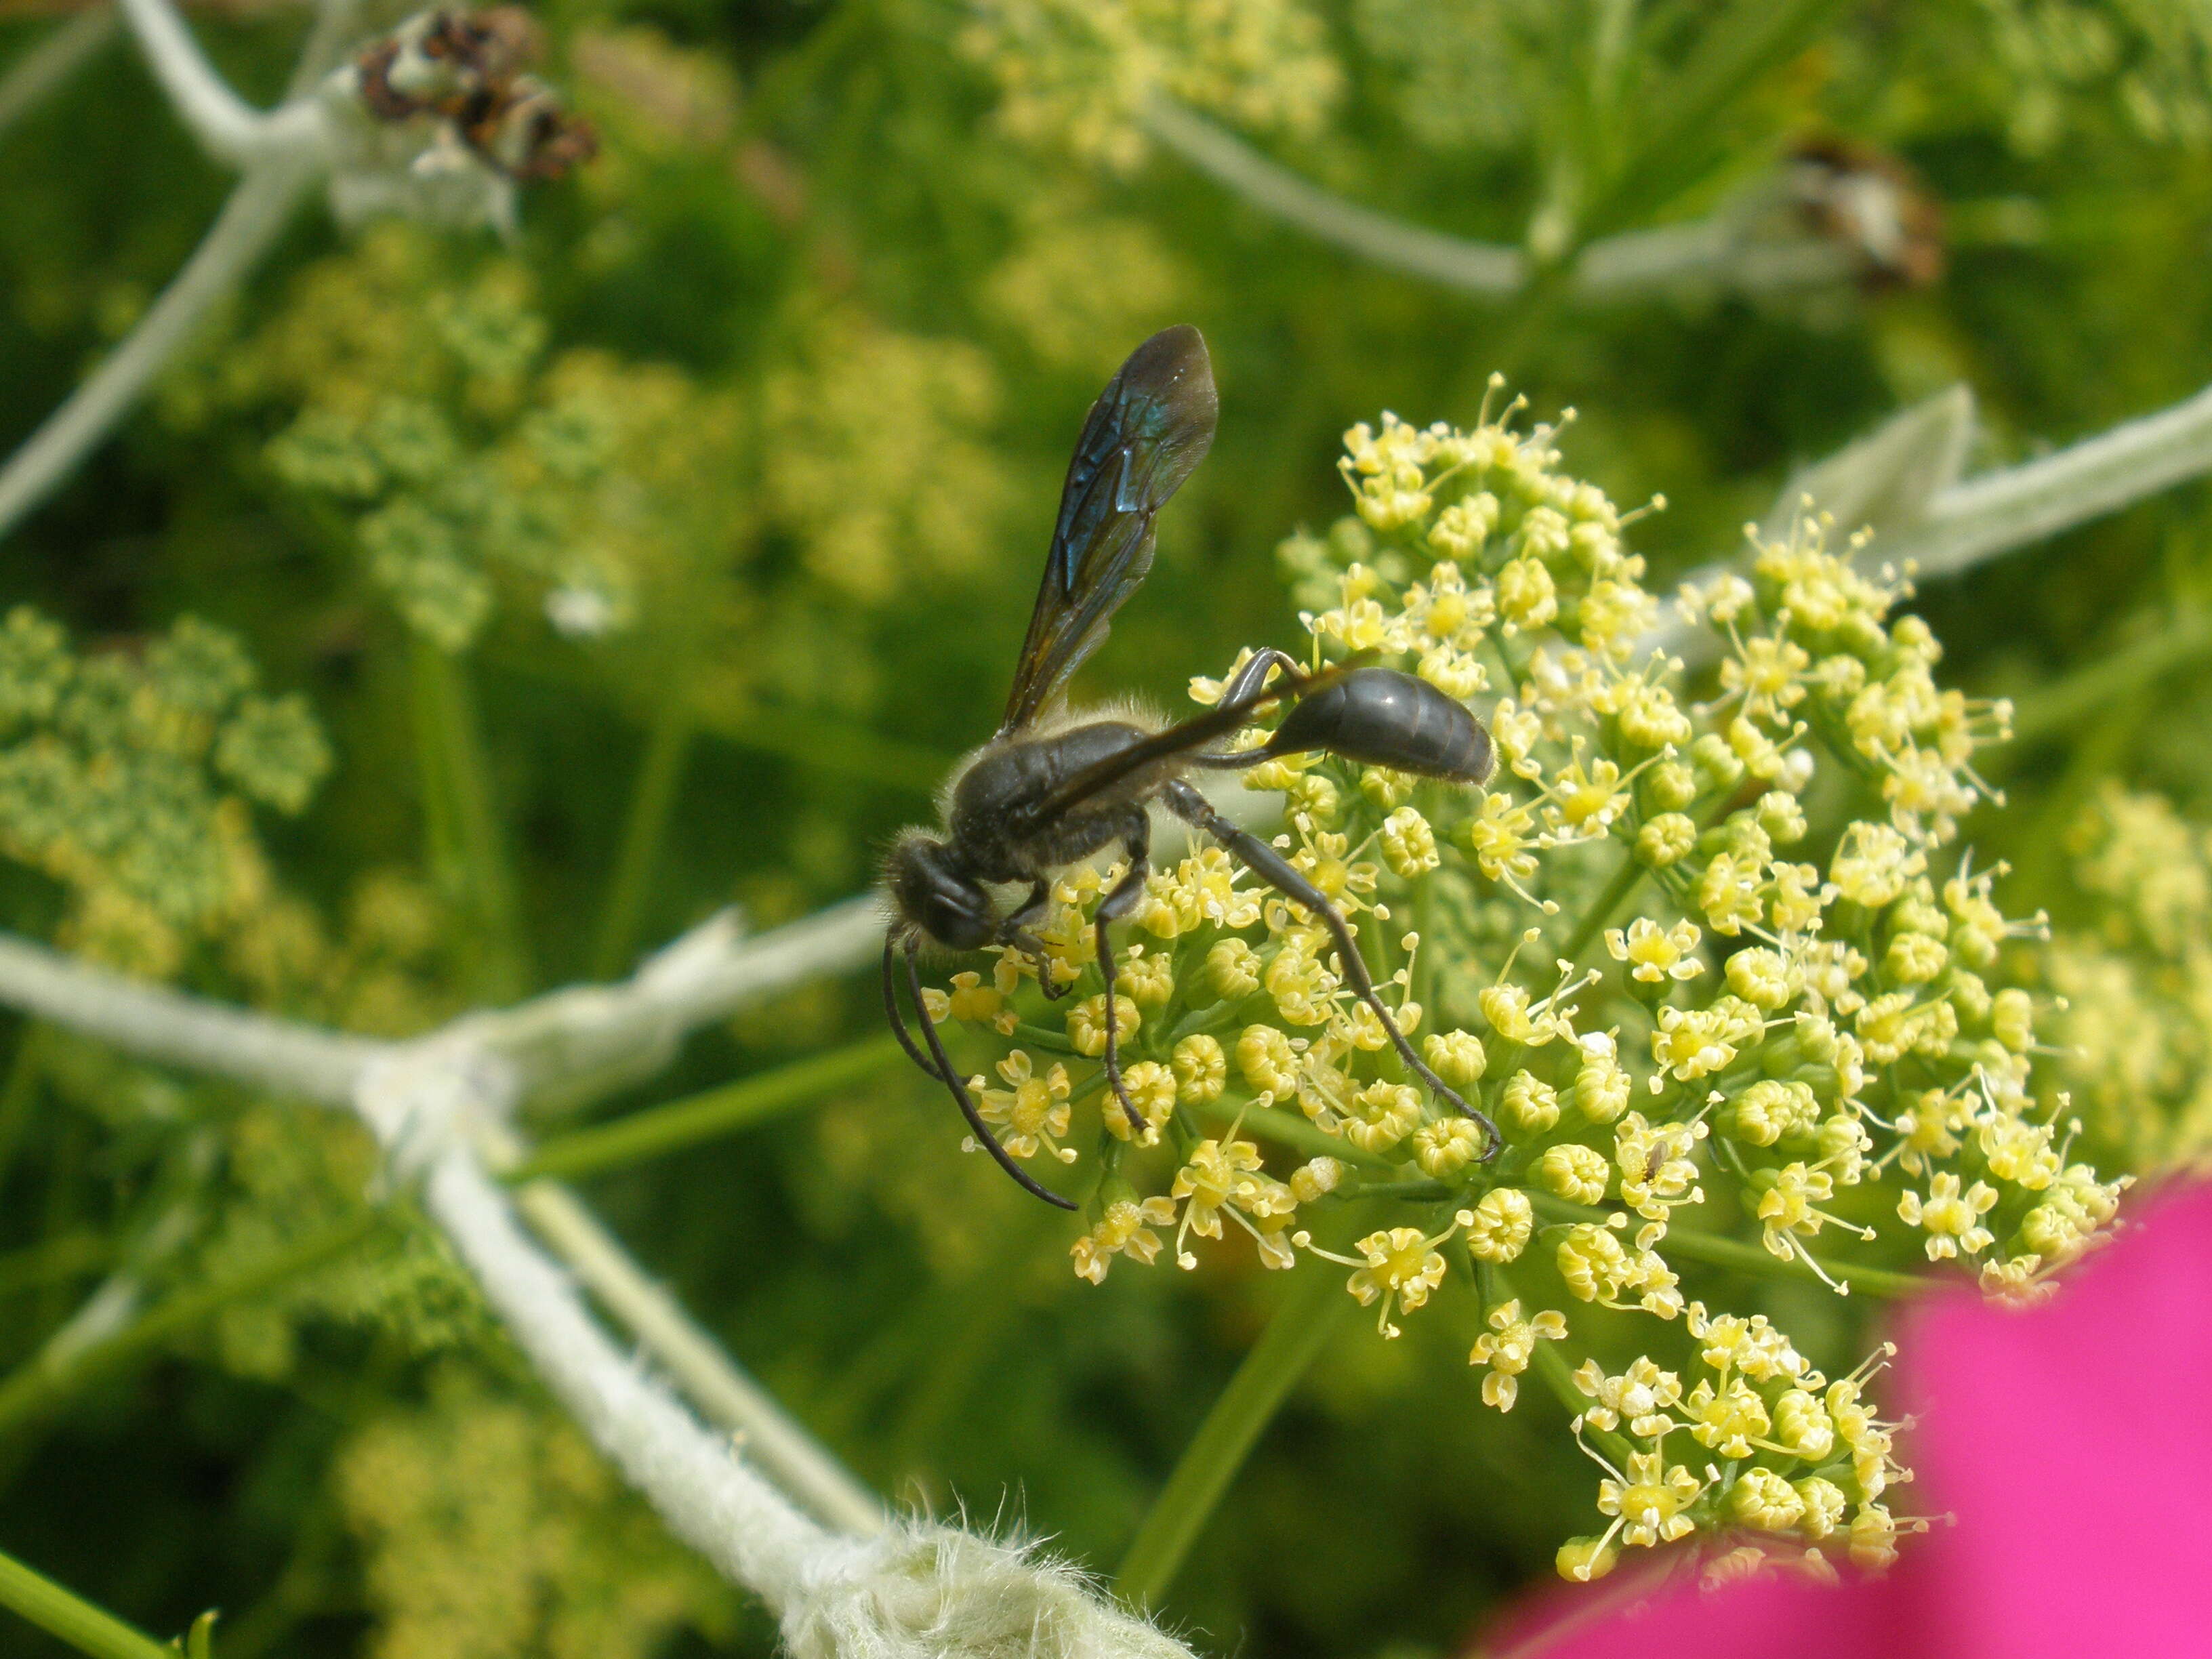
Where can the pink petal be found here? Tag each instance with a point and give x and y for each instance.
(2070, 1440)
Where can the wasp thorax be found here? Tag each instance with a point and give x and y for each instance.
(931, 892)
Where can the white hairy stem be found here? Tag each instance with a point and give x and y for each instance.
(1982, 517)
(1472, 267)
(847, 1581)
(708, 1496)
(284, 153)
(1715, 250)
(47, 67)
(768, 1435)
(915, 1590)
(229, 129)
(249, 223)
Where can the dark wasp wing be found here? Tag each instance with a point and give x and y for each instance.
(1150, 426)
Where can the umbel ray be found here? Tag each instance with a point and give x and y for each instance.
(1055, 785)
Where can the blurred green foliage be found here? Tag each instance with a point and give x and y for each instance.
(463, 617)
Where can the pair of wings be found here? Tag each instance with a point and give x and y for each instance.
(1150, 428)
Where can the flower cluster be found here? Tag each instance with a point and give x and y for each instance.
(127, 777)
(1080, 72)
(457, 463)
(1709, 1028)
(2136, 981)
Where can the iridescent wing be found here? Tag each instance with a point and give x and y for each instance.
(1149, 427)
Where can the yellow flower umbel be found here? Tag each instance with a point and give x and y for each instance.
(1682, 1025)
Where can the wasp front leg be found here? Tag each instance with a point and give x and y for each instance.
(1015, 931)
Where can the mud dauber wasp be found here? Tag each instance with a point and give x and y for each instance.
(1055, 785)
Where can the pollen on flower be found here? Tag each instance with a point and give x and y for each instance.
(1086, 1023)
(1509, 1345)
(1951, 1215)
(1655, 956)
(1402, 1265)
(1125, 1227)
(1499, 1224)
(1201, 1069)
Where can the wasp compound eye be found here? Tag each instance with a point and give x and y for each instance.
(933, 896)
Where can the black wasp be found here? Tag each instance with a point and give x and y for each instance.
(1055, 785)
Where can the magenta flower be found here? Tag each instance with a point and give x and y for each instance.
(2064, 1438)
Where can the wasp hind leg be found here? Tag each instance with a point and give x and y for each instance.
(1278, 872)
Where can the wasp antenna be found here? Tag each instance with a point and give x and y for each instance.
(981, 1130)
(898, 1019)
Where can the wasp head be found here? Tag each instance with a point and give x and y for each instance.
(930, 893)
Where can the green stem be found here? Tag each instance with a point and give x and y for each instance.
(1040, 1037)
(20, 1094)
(1622, 884)
(653, 800)
(1683, 121)
(1723, 1252)
(467, 847)
(833, 747)
(1559, 1377)
(68, 1615)
(1418, 1191)
(60, 1214)
(662, 1129)
(1308, 1315)
(53, 1259)
(39, 1385)
(1289, 1130)
(2064, 701)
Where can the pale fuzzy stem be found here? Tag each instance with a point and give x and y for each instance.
(228, 128)
(48, 66)
(709, 1498)
(1999, 511)
(283, 152)
(589, 1035)
(704, 975)
(768, 1435)
(1962, 525)
(1710, 252)
(250, 222)
(1474, 267)
(1707, 251)
(160, 1024)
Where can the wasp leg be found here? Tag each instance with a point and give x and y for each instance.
(1244, 685)
(1136, 840)
(1186, 804)
(1014, 930)
(1254, 674)
(899, 1020)
(952, 1081)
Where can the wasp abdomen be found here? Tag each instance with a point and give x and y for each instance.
(1385, 718)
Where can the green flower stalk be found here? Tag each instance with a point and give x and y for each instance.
(1790, 1033)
